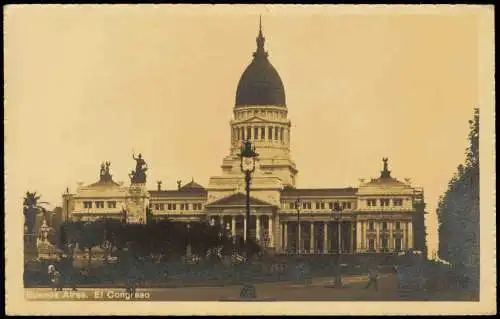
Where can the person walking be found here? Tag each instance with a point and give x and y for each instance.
(373, 276)
(54, 278)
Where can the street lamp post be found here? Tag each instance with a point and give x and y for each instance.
(247, 166)
(297, 206)
(337, 215)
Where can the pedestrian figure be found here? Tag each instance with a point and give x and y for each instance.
(54, 278)
(374, 276)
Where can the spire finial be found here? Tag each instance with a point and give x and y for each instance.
(260, 42)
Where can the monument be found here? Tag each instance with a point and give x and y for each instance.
(138, 201)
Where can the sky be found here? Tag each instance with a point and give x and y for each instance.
(87, 84)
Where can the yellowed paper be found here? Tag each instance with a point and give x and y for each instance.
(88, 84)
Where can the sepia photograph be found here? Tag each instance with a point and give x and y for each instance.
(244, 156)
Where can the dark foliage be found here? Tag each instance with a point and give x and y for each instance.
(458, 212)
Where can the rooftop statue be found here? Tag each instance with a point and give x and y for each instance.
(139, 175)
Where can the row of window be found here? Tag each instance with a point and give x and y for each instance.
(384, 202)
(173, 206)
(384, 244)
(99, 204)
(371, 225)
(262, 113)
(321, 205)
(254, 132)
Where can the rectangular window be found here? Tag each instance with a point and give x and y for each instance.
(243, 133)
(309, 205)
(270, 135)
(398, 225)
(169, 206)
(112, 204)
(255, 132)
(348, 205)
(322, 205)
(174, 206)
(317, 205)
(249, 133)
(99, 204)
(371, 225)
(344, 205)
(186, 206)
(384, 202)
(87, 204)
(384, 243)
(397, 202)
(371, 244)
(162, 206)
(282, 133)
(330, 205)
(157, 206)
(398, 244)
(292, 205)
(262, 133)
(276, 132)
(384, 225)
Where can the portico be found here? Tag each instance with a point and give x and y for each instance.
(230, 211)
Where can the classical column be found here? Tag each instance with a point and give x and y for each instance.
(233, 226)
(405, 235)
(410, 234)
(285, 235)
(257, 227)
(245, 229)
(325, 237)
(391, 235)
(271, 232)
(358, 236)
(312, 246)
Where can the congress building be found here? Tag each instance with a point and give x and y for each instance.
(382, 214)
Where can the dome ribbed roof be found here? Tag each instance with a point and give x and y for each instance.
(260, 83)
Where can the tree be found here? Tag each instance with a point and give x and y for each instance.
(91, 236)
(458, 209)
(32, 206)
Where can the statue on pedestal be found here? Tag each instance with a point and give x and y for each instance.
(139, 175)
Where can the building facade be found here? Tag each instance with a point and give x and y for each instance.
(383, 214)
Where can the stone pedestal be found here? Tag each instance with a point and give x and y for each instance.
(137, 203)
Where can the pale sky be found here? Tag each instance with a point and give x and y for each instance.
(87, 84)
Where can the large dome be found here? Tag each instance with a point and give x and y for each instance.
(260, 84)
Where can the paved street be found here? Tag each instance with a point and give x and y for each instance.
(318, 290)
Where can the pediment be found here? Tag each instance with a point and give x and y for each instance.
(238, 200)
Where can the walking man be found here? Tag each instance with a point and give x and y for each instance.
(374, 276)
(54, 278)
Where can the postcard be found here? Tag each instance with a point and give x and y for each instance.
(249, 159)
